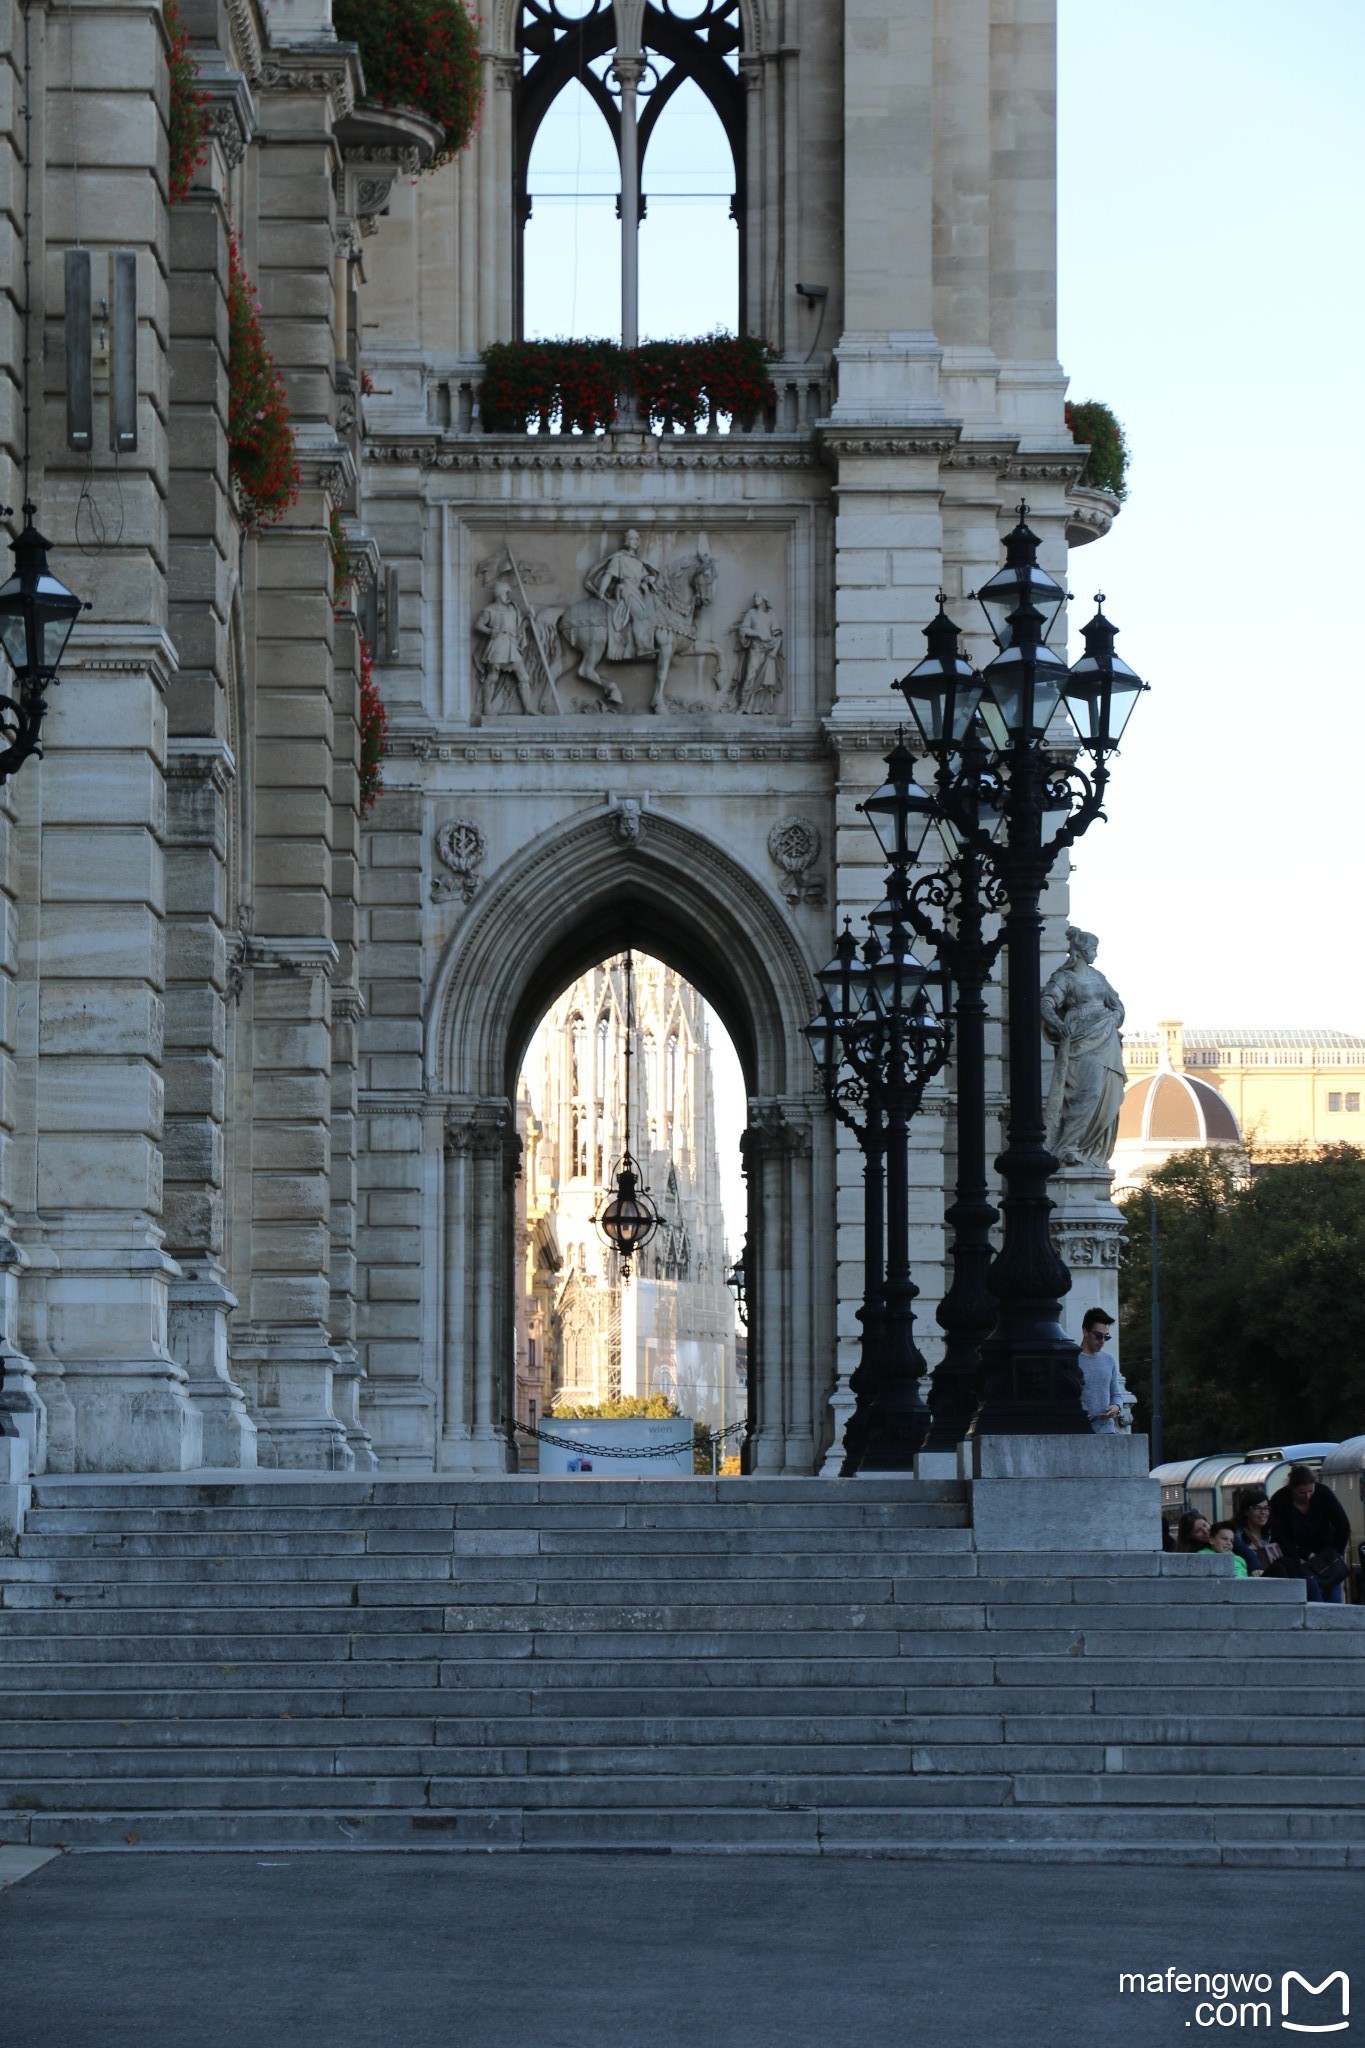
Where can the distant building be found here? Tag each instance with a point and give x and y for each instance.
(584, 1333)
(1257, 1090)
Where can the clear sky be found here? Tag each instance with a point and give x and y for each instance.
(1211, 159)
(1211, 191)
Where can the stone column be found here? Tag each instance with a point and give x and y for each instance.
(478, 1285)
(1089, 1232)
(98, 1098)
(283, 1347)
(778, 1160)
(888, 355)
(1023, 50)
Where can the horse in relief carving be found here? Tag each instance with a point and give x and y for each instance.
(652, 615)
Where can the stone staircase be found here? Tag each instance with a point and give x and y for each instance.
(797, 1666)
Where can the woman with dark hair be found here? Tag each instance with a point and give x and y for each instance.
(1309, 1524)
(1192, 1533)
(1253, 1542)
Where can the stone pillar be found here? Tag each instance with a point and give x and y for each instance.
(1023, 53)
(347, 1008)
(283, 1347)
(888, 354)
(98, 1100)
(778, 1160)
(20, 1401)
(478, 1286)
(1089, 1231)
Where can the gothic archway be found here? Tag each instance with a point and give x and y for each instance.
(615, 878)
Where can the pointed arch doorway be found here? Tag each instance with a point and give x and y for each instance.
(608, 881)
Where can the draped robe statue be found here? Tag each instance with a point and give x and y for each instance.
(1082, 1016)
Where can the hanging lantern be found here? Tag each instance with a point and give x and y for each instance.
(37, 614)
(628, 1218)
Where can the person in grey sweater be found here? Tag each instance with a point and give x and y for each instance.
(1099, 1373)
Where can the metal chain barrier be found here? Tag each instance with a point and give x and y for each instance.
(699, 1443)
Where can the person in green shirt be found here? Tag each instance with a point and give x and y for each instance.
(1221, 1536)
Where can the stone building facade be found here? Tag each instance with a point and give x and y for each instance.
(258, 1060)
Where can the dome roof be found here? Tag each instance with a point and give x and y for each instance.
(1167, 1108)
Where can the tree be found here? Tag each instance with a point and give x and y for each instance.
(1259, 1281)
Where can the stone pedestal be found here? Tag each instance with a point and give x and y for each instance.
(15, 1491)
(1061, 1493)
(197, 1332)
(1088, 1232)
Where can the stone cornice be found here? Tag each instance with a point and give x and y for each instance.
(989, 455)
(292, 955)
(106, 649)
(851, 733)
(837, 442)
(201, 760)
(1055, 465)
(558, 452)
(478, 748)
(231, 111)
(319, 69)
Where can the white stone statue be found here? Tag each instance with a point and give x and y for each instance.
(503, 629)
(1082, 1017)
(626, 583)
(759, 683)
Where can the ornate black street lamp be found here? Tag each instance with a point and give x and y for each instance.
(628, 1218)
(37, 614)
(853, 1092)
(878, 1041)
(1030, 1376)
(943, 694)
(737, 1280)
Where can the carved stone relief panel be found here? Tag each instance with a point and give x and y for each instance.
(679, 623)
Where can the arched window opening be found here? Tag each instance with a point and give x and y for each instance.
(689, 235)
(571, 237)
(573, 123)
(672, 1327)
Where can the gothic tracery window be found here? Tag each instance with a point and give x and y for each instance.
(691, 156)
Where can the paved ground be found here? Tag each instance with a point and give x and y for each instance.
(432, 1951)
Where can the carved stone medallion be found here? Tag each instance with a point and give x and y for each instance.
(794, 844)
(461, 846)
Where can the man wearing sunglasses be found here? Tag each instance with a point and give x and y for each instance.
(1100, 1373)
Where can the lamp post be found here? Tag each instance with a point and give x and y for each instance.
(1030, 1375)
(878, 1042)
(854, 1094)
(37, 614)
(943, 694)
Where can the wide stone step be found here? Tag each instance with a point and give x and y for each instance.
(918, 1539)
(227, 1564)
(1108, 1836)
(585, 1504)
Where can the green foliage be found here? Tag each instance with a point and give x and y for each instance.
(422, 54)
(1095, 426)
(575, 384)
(1258, 1282)
(657, 1407)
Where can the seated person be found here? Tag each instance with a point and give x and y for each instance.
(1309, 1524)
(1222, 1538)
(1192, 1533)
(1254, 1543)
